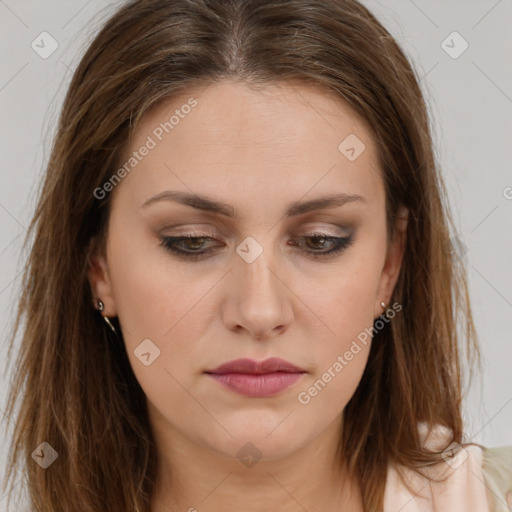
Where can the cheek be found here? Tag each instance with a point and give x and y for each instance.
(340, 356)
(157, 302)
(143, 297)
(345, 300)
(150, 292)
(159, 324)
(326, 394)
(343, 338)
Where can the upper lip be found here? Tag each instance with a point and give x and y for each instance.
(271, 365)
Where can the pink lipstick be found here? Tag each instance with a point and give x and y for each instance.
(257, 378)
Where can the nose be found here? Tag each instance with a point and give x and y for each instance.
(258, 301)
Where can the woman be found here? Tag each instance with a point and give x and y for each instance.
(241, 293)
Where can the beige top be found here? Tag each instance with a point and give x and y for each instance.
(479, 479)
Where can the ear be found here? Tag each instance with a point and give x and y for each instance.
(99, 279)
(393, 262)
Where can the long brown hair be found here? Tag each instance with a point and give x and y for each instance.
(78, 391)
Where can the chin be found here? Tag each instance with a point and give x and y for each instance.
(259, 438)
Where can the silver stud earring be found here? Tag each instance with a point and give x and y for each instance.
(383, 305)
(101, 308)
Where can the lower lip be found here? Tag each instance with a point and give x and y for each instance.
(268, 384)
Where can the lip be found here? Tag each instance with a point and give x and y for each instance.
(257, 378)
(251, 367)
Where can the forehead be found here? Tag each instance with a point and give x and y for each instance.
(288, 138)
(292, 109)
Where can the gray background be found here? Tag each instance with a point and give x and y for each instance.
(470, 101)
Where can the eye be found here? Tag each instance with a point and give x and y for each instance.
(189, 245)
(321, 241)
(192, 245)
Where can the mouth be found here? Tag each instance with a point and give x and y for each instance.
(257, 379)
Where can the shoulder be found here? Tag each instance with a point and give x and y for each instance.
(470, 477)
(497, 473)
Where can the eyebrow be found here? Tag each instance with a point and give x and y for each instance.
(293, 209)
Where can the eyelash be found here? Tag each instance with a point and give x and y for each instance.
(340, 244)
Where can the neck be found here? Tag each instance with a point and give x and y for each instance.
(195, 478)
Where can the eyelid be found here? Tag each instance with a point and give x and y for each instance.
(322, 232)
(327, 228)
(192, 233)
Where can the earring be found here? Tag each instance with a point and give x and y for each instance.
(101, 308)
(383, 305)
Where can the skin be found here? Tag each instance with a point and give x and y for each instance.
(257, 151)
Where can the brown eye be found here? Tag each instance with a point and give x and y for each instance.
(317, 245)
(187, 246)
(322, 245)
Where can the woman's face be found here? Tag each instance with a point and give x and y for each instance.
(259, 281)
